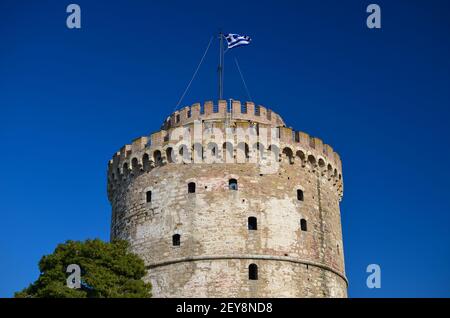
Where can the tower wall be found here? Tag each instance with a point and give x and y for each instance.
(216, 246)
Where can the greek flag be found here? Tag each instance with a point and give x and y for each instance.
(234, 40)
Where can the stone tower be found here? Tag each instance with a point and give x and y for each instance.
(226, 201)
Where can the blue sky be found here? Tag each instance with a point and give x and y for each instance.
(70, 98)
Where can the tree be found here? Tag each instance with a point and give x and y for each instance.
(107, 270)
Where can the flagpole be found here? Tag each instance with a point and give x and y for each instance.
(220, 68)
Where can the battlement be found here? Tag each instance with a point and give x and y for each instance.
(221, 111)
(292, 147)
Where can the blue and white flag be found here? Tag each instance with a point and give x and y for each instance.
(234, 40)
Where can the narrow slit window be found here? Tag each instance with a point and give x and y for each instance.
(157, 157)
(252, 223)
(233, 184)
(149, 196)
(299, 195)
(191, 187)
(303, 225)
(176, 240)
(253, 272)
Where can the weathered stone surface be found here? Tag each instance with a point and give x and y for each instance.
(216, 245)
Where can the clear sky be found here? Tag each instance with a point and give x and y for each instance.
(70, 98)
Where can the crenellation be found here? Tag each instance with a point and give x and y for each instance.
(328, 151)
(318, 145)
(195, 111)
(139, 144)
(208, 106)
(299, 156)
(209, 110)
(236, 109)
(286, 134)
(125, 151)
(263, 112)
(222, 104)
(250, 109)
(304, 139)
(184, 114)
(292, 188)
(157, 138)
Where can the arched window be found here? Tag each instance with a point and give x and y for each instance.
(191, 187)
(301, 156)
(299, 195)
(288, 155)
(312, 160)
(321, 163)
(148, 196)
(169, 155)
(134, 164)
(232, 184)
(176, 240)
(330, 171)
(303, 225)
(157, 158)
(253, 272)
(252, 223)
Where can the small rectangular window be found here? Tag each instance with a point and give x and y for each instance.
(191, 187)
(299, 195)
(149, 196)
(176, 240)
(253, 272)
(232, 184)
(252, 223)
(303, 225)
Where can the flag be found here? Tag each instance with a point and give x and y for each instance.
(234, 40)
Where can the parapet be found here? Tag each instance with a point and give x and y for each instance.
(145, 153)
(222, 110)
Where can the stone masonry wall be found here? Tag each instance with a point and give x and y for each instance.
(216, 246)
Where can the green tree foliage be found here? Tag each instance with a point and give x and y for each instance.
(107, 270)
